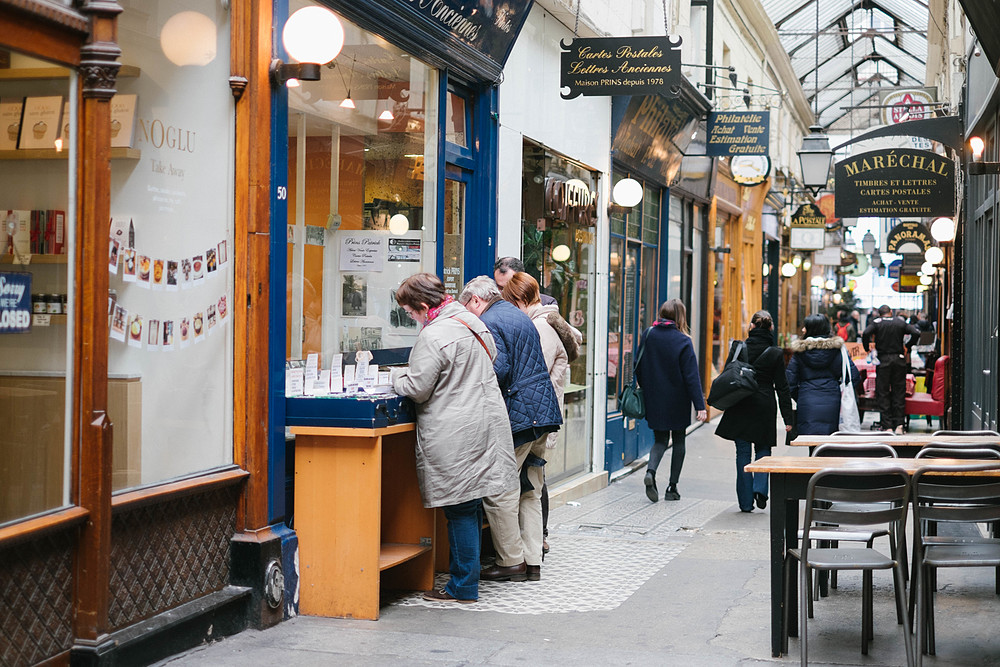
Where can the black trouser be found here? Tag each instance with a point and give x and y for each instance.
(660, 448)
(890, 390)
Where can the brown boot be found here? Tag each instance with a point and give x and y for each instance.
(500, 573)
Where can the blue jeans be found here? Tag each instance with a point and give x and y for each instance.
(748, 483)
(464, 523)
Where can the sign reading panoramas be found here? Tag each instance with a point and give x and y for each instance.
(621, 66)
(738, 132)
(895, 182)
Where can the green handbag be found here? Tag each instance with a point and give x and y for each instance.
(631, 401)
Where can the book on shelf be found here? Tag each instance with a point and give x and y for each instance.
(41, 232)
(18, 225)
(10, 122)
(123, 120)
(40, 122)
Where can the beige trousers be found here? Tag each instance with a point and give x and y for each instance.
(516, 518)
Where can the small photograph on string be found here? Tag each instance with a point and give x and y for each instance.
(198, 326)
(210, 318)
(159, 280)
(172, 275)
(168, 335)
(210, 260)
(223, 255)
(128, 264)
(185, 331)
(118, 321)
(153, 339)
(113, 256)
(222, 308)
(135, 331)
(145, 269)
(198, 268)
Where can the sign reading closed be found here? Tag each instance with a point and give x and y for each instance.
(895, 182)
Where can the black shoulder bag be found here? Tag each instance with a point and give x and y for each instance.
(737, 381)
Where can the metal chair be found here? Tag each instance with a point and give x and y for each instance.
(866, 433)
(875, 495)
(962, 499)
(937, 433)
(932, 451)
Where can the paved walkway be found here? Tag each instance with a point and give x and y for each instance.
(629, 582)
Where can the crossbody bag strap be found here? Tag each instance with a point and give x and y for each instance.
(847, 368)
(642, 347)
(474, 334)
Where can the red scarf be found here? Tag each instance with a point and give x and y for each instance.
(436, 310)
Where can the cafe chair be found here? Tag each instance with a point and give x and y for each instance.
(935, 403)
(874, 496)
(937, 451)
(867, 433)
(956, 498)
(986, 433)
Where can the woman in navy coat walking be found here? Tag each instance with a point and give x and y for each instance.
(668, 375)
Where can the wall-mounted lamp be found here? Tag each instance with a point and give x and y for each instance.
(817, 282)
(815, 158)
(399, 224)
(797, 261)
(977, 167)
(943, 230)
(876, 262)
(788, 269)
(934, 255)
(868, 243)
(926, 280)
(830, 284)
(560, 253)
(312, 36)
(729, 68)
(927, 268)
(626, 194)
(806, 265)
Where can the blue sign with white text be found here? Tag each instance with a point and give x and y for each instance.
(15, 302)
(738, 133)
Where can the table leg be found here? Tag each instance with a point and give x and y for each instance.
(778, 502)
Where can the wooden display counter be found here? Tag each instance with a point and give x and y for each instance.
(359, 517)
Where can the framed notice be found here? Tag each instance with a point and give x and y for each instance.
(362, 253)
(40, 123)
(10, 122)
(123, 120)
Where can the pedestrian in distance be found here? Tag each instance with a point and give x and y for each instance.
(464, 447)
(668, 375)
(751, 423)
(505, 267)
(844, 327)
(893, 364)
(815, 377)
(533, 409)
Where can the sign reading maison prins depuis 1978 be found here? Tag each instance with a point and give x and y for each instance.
(621, 66)
(895, 182)
(738, 132)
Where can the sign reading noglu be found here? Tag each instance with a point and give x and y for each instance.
(895, 182)
(621, 66)
(738, 132)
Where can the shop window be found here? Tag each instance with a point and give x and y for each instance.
(37, 127)
(170, 357)
(456, 120)
(675, 249)
(362, 197)
(558, 232)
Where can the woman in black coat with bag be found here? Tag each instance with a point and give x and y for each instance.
(751, 423)
(815, 377)
(668, 375)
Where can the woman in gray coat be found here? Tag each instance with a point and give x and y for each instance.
(464, 445)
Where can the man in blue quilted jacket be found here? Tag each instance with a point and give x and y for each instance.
(516, 517)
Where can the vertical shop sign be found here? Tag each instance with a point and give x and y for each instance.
(15, 302)
(621, 66)
(738, 132)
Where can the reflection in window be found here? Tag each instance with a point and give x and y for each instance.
(455, 120)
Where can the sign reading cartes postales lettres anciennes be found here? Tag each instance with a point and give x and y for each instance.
(895, 182)
(738, 132)
(621, 66)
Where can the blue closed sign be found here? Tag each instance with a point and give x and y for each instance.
(15, 302)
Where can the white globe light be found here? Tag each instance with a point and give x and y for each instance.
(831, 284)
(399, 224)
(926, 280)
(188, 38)
(797, 261)
(560, 253)
(943, 230)
(818, 282)
(627, 192)
(788, 269)
(934, 255)
(766, 269)
(837, 298)
(927, 268)
(313, 35)
(806, 265)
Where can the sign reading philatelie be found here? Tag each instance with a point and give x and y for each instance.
(15, 302)
(895, 182)
(738, 132)
(621, 66)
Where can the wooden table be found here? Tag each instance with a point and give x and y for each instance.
(905, 445)
(789, 478)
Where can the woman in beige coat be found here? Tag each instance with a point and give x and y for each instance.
(464, 445)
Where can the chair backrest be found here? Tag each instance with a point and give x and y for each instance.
(863, 496)
(870, 450)
(937, 433)
(933, 452)
(886, 433)
(938, 386)
(956, 498)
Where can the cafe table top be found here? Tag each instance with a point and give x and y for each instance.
(906, 440)
(807, 465)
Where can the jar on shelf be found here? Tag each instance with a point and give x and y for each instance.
(53, 304)
(38, 304)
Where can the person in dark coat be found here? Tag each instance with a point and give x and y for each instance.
(893, 364)
(815, 375)
(516, 517)
(751, 422)
(668, 375)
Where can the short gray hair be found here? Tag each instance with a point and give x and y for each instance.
(482, 286)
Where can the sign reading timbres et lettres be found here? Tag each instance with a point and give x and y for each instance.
(895, 182)
(738, 133)
(620, 66)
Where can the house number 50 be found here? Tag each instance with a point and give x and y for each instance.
(282, 193)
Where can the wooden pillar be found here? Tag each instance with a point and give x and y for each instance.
(92, 428)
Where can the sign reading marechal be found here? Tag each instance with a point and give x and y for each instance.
(895, 182)
(738, 132)
(621, 66)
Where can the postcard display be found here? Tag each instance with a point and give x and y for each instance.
(362, 192)
(170, 239)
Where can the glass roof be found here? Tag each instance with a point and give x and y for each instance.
(863, 45)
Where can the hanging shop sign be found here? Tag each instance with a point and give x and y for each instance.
(902, 104)
(908, 236)
(750, 170)
(653, 134)
(808, 230)
(15, 302)
(896, 181)
(738, 132)
(621, 66)
(570, 201)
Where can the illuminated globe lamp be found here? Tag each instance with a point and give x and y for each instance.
(926, 280)
(312, 36)
(561, 252)
(934, 255)
(817, 282)
(943, 230)
(831, 284)
(188, 39)
(788, 269)
(627, 192)
(399, 224)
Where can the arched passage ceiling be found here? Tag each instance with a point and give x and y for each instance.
(861, 46)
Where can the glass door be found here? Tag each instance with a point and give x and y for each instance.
(453, 260)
